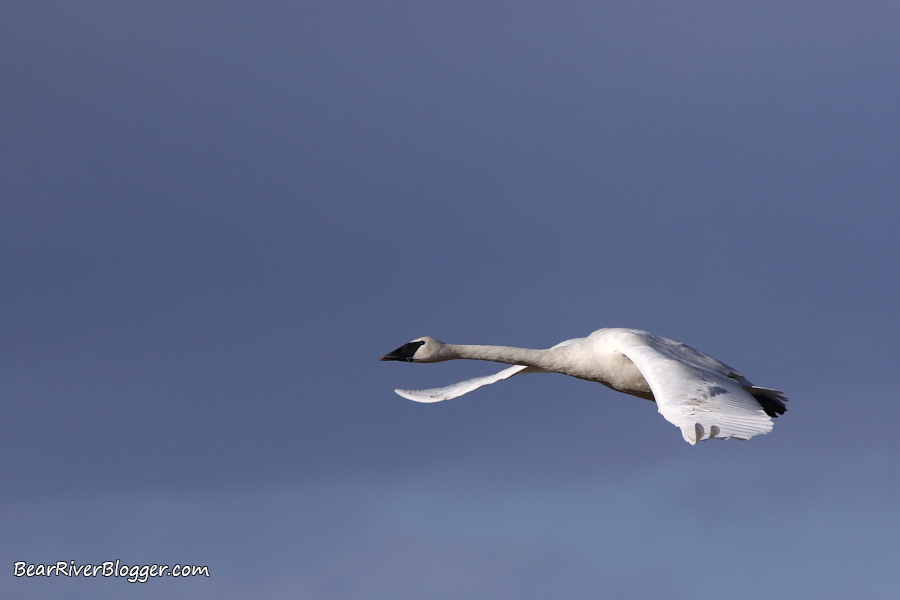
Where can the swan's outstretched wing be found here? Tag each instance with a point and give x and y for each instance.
(703, 403)
(463, 387)
(455, 390)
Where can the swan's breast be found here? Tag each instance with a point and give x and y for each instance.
(598, 359)
(624, 376)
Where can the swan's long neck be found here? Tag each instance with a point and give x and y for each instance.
(544, 359)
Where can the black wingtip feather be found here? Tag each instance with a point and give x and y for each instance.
(772, 406)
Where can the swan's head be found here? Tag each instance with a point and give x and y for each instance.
(421, 350)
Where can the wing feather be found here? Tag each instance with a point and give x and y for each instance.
(703, 403)
(463, 387)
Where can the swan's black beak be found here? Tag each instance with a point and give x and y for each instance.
(404, 352)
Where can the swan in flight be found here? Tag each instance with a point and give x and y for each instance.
(706, 398)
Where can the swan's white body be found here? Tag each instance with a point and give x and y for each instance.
(705, 398)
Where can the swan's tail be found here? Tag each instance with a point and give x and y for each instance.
(772, 401)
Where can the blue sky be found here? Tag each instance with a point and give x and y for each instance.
(216, 216)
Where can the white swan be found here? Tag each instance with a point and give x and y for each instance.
(704, 397)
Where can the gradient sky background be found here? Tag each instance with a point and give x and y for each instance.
(215, 216)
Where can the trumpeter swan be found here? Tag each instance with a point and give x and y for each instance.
(704, 397)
